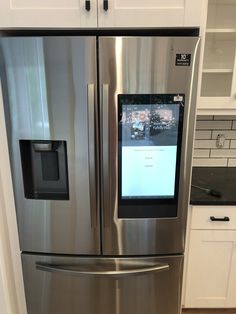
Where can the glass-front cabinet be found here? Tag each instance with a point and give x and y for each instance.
(218, 85)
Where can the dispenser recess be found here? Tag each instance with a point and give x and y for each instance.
(44, 169)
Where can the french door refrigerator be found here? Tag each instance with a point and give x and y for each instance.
(100, 132)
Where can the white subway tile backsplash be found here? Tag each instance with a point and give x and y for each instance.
(200, 153)
(210, 162)
(225, 118)
(233, 144)
(223, 153)
(234, 125)
(209, 144)
(203, 118)
(232, 162)
(213, 125)
(228, 134)
(203, 135)
(206, 153)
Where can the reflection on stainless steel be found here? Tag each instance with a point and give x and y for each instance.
(51, 95)
(145, 65)
(58, 292)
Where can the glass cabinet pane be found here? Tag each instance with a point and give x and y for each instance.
(220, 47)
(216, 84)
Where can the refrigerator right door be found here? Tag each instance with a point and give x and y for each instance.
(148, 98)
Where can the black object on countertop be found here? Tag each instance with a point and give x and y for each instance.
(208, 191)
(217, 179)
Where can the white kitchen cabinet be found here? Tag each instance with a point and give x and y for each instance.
(108, 13)
(47, 14)
(211, 265)
(150, 13)
(211, 259)
(218, 84)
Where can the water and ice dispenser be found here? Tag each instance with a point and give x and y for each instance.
(44, 168)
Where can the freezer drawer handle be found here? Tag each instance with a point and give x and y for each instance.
(101, 273)
(220, 219)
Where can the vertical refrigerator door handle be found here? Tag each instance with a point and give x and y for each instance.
(105, 150)
(92, 154)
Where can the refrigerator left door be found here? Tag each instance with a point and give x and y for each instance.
(49, 91)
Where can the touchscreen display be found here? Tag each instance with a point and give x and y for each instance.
(148, 146)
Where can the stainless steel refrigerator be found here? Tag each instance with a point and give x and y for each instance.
(100, 133)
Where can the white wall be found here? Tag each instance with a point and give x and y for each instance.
(12, 299)
(4, 299)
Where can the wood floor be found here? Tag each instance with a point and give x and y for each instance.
(209, 311)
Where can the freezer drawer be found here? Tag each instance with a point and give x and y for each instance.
(73, 285)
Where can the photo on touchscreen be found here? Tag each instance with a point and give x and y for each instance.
(149, 150)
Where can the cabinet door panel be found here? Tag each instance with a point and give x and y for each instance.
(149, 13)
(210, 268)
(47, 13)
(218, 81)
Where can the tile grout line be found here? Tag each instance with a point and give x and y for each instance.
(214, 126)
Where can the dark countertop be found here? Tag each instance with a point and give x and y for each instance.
(221, 179)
